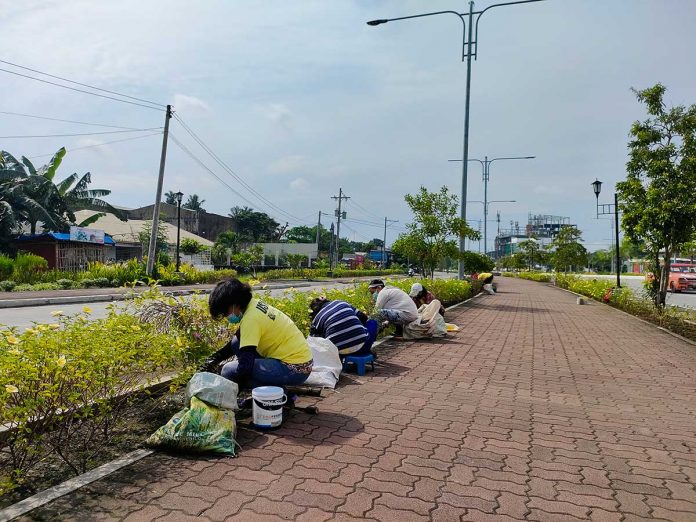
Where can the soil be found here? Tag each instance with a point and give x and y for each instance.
(138, 421)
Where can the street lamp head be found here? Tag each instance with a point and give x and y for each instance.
(597, 187)
(529, 157)
(179, 197)
(377, 22)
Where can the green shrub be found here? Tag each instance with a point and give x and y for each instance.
(7, 286)
(191, 246)
(62, 386)
(28, 268)
(539, 277)
(65, 284)
(6, 267)
(26, 287)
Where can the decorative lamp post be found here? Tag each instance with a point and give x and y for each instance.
(604, 209)
(179, 197)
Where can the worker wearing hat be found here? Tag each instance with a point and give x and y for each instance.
(393, 305)
(422, 296)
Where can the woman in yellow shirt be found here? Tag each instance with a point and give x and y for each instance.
(270, 349)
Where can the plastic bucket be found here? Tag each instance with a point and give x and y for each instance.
(268, 406)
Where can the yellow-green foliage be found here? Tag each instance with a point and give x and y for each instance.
(65, 374)
(539, 277)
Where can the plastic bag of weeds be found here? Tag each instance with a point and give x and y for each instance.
(213, 389)
(200, 428)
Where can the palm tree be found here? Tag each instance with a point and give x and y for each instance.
(194, 203)
(170, 198)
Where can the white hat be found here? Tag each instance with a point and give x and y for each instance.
(416, 288)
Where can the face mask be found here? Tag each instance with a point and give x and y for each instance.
(374, 296)
(234, 319)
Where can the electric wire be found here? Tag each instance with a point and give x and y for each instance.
(66, 121)
(98, 144)
(80, 90)
(370, 214)
(229, 170)
(82, 84)
(77, 134)
(188, 152)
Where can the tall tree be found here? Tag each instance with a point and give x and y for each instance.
(432, 235)
(170, 198)
(194, 203)
(657, 197)
(532, 253)
(568, 251)
(254, 226)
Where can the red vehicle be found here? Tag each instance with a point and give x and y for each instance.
(682, 276)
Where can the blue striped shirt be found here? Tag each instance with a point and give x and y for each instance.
(338, 323)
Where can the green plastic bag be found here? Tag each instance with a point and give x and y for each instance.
(199, 428)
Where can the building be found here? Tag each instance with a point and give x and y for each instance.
(64, 253)
(541, 227)
(203, 224)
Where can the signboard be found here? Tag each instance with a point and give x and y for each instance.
(87, 235)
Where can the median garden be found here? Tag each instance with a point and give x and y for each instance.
(76, 392)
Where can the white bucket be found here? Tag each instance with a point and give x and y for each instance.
(268, 406)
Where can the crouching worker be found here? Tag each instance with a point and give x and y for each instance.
(270, 349)
(422, 296)
(487, 279)
(393, 305)
(347, 328)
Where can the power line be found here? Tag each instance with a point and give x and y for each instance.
(80, 90)
(370, 214)
(82, 84)
(98, 145)
(78, 134)
(66, 121)
(227, 168)
(188, 152)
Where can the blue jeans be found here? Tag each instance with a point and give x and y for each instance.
(266, 372)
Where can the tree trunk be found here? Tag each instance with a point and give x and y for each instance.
(33, 227)
(664, 280)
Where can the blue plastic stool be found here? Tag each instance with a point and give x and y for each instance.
(360, 362)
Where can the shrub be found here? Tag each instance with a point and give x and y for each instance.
(7, 286)
(6, 267)
(28, 267)
(26, 287)
(63, 385)
(539, 277)
(65, 284)
(191, 246)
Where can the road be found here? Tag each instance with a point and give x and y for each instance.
(26, 316)
(635, 283)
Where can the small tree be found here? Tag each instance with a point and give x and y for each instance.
(295, 260)
(161, 245)
(657, 197)
(435, 226)
(568, 249)
(249, 258)
(191, 246)
(532, 253)
(475, 262)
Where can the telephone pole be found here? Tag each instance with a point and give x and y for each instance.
(384, 242)
(151, 251)
(319, 231)
(339, 215)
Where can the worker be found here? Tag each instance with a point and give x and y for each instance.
(348, 329)
(393, 305)
(270, 349)
(422, 296)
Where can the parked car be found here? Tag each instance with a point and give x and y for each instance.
(682, 276)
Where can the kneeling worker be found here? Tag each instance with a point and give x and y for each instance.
(393, 305)
(347, 328)
(270, 349)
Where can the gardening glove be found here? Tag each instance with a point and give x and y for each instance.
(210, 363)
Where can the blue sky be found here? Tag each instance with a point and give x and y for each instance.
(301, 98)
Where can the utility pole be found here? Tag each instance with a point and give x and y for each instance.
(319, 232)
(339, 215)
(151, 251)
(384, 242)
(331, 246)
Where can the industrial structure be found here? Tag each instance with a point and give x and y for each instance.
(541, 227)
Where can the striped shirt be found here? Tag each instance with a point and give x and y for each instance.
(338, 323)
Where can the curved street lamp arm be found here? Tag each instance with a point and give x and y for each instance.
(511, 158)
(491, 7)
(459, 15)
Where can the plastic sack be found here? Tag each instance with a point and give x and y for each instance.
(429, 323)
(452, 327)
(213, 389)
(488, 288)
(327, 364)
(199, 428)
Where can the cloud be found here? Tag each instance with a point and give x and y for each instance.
(289, 164)
(299, 184)
(189, 105)
(279, 114)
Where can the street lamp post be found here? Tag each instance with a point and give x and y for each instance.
(486, 166)
(179, 197)
(486, 206)
(469, 51)
(604, 209)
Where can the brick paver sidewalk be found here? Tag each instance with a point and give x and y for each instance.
(539, 409)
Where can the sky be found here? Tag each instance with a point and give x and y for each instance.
(300, 99)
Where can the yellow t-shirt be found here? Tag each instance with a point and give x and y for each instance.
(484, 275)
(273, 333)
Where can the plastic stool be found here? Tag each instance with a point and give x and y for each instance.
(360, 362)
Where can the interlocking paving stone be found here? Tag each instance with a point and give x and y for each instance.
(538, 409)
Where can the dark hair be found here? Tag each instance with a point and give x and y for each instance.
(422, 293)
(316, 305)
(227, 293)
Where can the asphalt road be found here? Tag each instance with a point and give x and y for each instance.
(24, 317)
(683, 299)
